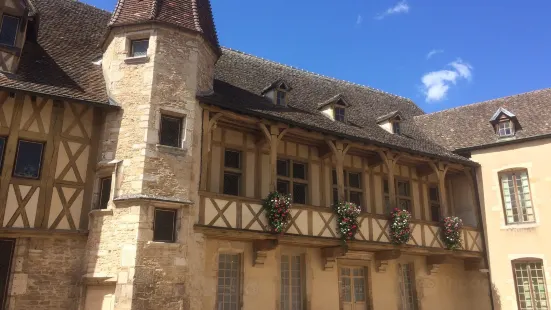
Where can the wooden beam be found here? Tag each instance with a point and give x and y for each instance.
(209, 124)
(424, 170)
(441, 168)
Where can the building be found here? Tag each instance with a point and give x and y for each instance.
(136, 153)
(510, 139)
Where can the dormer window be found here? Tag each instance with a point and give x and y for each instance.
(8, 30)
(339, 114)
(505, 128)
(280, 97)
(391, 122)
(505, 123)
(396, 127)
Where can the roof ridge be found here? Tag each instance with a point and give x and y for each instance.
(316, 74)
(485, 101)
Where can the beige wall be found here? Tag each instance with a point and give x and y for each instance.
(509, 242)
(448, 289)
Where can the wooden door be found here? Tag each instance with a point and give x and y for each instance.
(353, 288)
(7, 247)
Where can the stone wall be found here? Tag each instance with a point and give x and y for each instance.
(46, 273)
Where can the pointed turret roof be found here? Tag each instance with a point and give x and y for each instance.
(194, 15)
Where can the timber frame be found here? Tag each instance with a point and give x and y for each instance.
(241, 217)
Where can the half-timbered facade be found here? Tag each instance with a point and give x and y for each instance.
(135, 158)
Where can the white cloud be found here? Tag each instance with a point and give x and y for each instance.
(434, 52)
(436, 84)
(400, 7)
(359, 20)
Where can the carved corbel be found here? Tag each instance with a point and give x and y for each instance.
(261, 249)
(435, 261)
(329, 256)
(382, 259)
(475, 264)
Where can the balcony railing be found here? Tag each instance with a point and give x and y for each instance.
(246, 215)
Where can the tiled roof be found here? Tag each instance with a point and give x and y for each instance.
(240, 79)
(469, 126)
(59, 63)
(195, 15)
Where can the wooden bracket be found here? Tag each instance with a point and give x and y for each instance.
(434, 262)
(474, 264)
(383, 257)
(329, 256)
(424, 170)
(261, 249)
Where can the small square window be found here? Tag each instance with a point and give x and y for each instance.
(283, 187)
(105, 192)
(354, 180)
(280, 98)
(232, 182)
(299, 193)
(139, 48)
(164, 226)
(283, 168)
(8, 30)
(232, 159)
(339, 114)
(299, 171)
(28, 160)
(171, 131)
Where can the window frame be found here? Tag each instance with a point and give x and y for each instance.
(386, 196)
(529, 261)
(366, 281)
(341, 108)
(410, 290)
(347, 188)
(16, 30)
(180, 129)
(513, 172)
(40, 162)
(434, 202)
(291, 180)
(511, 127)
(174, 224)
(280, 101)
(131, 49)
(396, 125)
(302, 279)
(240, 278)
(232, 170)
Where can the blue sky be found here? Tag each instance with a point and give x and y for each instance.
(441, 54)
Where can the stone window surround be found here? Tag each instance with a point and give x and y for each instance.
(179, 113)
(133, 36)
(180, 214)
(528, 257)
(104, 170)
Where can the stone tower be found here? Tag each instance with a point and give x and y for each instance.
(157, 56)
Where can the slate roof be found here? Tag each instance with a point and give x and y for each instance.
(195, 15)
(240, 79)
(469, 126)
(59, 63)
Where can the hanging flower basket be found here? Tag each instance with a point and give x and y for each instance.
(277, 207)
(347, 219)
(451, 232)
(400, 231)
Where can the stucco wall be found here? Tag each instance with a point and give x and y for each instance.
(509, 242)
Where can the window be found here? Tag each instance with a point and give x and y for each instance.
(292, 283)
(353, 191)
(229, 286)
(171, 131)
(292, 179)
(396, 128)
(530, 285)
(434, 201)
(339, 114)
(505, 128)
(164, 226)
(139, 48)
(403, 195)
(105, 192)
(407, 287)
(517, 202)
(280, 100)
(28, 159)
(353, 287)
(232, 172)
(8, 30)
